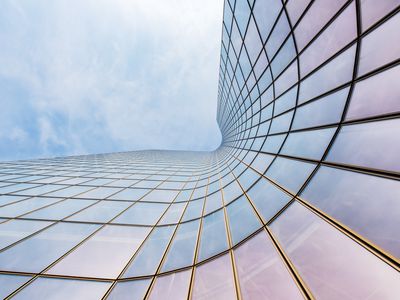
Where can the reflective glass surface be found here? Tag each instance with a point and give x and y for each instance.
(300, 200)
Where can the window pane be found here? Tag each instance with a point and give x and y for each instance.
(103, 255)
(193, 210)
(326, 110)
(101, 212)
(374, 145)
(9, 283)
(148, 258)
(214, 279)
(60, 210)
(160, 196)
(376, 95)
(14, 230)
(290, 174)
(174, 286)
(332, 265)
(130, 290)
(242, 219)
(339, 34)
(367, 204)
(381, 46)
(262, 274)
(213, 237)
(267, 198)
(316, 17)
(100, 193)
(181, 252)
(25, 206)
(142, 214)
(52, 288)
(308, 144)
(37, 252)
(372, 10)
(322, 80)
(173, 213)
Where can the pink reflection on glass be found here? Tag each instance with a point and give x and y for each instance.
(374, 145)
(332, 265)
(373, 10)
(381, 46)
(214, 280)
(174, 286)
(316, 17)
(262, 274)
(376, 95)
(340, 33)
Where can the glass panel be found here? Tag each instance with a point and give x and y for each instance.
(267, 198)
(130, 290)
(381, 46)
(339, 34)
(213, 236)
(322, 80)
(316, 17)
(103, 255)
(262, 274)
(7, 199)
(285, 55)
(37, 252)
(14, 230)
(160, 196)
(278, 35)
(326, 110)
(213, 202)
(16, 187)
(174, 286)
(214, 280)
(193, 210)
(130, 194)
(242, 219)
(376, 95)
(60, 289)
(23, 207)
(295, 9)
(232, 191)
(372, 145)
(332, 265)
(9, 283)
(173, 213)
(40, 190)
(60, 210)
(367, 204)
(181, 252)
(142, 214)
(148, 258)
(281, 123)
(290, 174)
(100, 193)
(372, 10)
(70, 191)
(101, 212)
(265, 13)
(308, 144)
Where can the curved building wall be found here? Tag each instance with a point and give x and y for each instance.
(301, 200)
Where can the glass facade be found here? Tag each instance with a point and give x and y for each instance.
(301, 200)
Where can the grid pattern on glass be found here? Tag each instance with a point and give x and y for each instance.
(304, 185)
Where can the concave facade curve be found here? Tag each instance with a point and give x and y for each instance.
(301, 199)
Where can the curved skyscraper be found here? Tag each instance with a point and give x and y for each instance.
(300, 201)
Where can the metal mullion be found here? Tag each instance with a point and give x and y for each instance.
(301, 284)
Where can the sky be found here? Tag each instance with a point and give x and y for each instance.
(97, 76)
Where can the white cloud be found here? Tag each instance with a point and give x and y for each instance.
(115, 75)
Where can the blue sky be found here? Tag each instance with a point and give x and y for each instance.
(94, 76)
